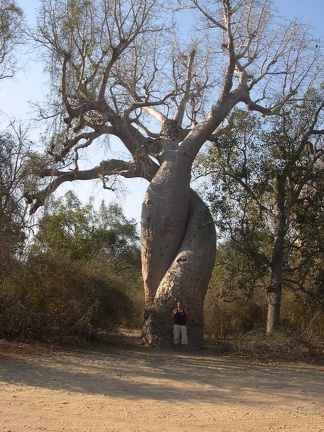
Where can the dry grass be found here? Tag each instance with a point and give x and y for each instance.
(251, 347)
(280, 347)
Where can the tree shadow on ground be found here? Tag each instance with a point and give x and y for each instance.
(135, 372)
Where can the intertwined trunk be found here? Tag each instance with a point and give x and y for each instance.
(178, 252)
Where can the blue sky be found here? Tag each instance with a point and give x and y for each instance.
(29, 85)
(310, 11)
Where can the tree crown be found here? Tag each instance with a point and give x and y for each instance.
(129, 70)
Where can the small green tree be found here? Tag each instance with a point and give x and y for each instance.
(83, 233)
(81, 275)
(11, 36)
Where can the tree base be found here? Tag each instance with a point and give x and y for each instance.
(157, 329)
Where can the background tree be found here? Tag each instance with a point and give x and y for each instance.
(234, 305)
(131, 71)
(85, 234)
(14, 219)
(14, 147)
(267, 196)
(98, 285)
(11, 36)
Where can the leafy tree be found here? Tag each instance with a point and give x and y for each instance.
(133, 71)
(14, 154)
(13, 147)
(268, 199)
(82, 233)
(98, 283)
(11, 36)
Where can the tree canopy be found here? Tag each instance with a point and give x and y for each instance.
(14, 181)
(84, 233)
(120, 69)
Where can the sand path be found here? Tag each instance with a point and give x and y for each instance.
(150, 389)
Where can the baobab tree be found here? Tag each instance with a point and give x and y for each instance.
(133, 71)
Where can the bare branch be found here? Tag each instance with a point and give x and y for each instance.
(113, 167)
(155, 114)
(116, 73)
(179, 114)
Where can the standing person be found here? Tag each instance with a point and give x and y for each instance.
(179, 317)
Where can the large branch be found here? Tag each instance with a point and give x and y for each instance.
(112, 167)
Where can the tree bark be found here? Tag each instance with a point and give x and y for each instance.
(274, 305)
(190, 262)
(275, 287)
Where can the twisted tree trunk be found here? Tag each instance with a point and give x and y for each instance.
(178, 252)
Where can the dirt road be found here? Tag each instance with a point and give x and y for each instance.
(149, 389)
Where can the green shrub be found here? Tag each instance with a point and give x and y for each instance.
(53, 296)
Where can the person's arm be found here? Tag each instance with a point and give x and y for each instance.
(173, 314)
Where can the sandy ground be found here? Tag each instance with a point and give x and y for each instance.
(150, 389)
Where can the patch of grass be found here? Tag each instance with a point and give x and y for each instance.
(280, 347)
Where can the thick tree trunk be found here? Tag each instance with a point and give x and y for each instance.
(189, 266)
(164, 220)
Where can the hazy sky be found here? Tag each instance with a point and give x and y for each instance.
(28, 85)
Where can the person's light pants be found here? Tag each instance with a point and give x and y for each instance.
(180, 333)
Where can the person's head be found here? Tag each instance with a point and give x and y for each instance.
(180, 304)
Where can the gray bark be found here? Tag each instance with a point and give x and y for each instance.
(186, 279)
(277, 262)
(274, 304)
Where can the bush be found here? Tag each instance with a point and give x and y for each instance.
(52, 296)
(223, 319)
(238, 328)
(283, 346)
